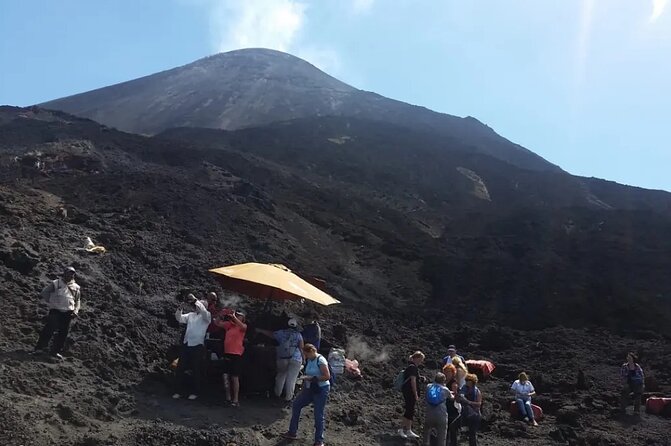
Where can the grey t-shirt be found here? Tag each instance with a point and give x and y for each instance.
(439, 410)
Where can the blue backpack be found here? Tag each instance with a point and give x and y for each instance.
(434, 394)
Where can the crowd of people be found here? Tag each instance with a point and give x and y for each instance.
(453, 398)
(209, 320)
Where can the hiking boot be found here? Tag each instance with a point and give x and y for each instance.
(411, 435)
(192, 397)
(402, 434)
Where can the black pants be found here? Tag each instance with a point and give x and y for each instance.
(57, 321)
(453, 423)
(473, 423)
(190, 358)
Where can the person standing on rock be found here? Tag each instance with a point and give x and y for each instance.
(312, 333)
(453, 406)
(451, 354)
(316, 388)
(437, 396)
(290, 358)
(410, 394)
(633, 378)
(233, 349)
(63, 296)
(471, 400)
(462, 371)
(192, 353)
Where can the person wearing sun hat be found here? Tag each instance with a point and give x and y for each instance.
(290, 358)
(63, 297)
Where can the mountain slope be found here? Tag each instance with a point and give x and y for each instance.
(254, 87)
(397, 223)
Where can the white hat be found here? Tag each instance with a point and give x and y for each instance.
(293, 323)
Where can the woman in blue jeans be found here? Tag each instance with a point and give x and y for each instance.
(524, 390)
(316, 387)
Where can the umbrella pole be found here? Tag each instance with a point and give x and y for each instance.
(266, 307)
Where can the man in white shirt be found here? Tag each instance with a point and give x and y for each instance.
(193, 348)
(63, 296)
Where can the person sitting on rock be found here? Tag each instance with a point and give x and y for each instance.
(410, 392)
(471, 399)
(633, 378)
(63, 296)
(453, 406)
(192, 352)
(462, 371)
(437, 397)
(289, 358)
(524, 390)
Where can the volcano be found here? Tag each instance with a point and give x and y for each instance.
(254, 87)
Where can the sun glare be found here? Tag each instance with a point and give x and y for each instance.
(657, 9)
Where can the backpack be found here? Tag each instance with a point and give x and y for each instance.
(434, 395)
(336, 360)
(400, 381)
(288, 347)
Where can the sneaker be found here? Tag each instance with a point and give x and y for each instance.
(534, 422)
(402, 434)
(411, 435)
(193, 397)
(176, 396)
(526, 419)
(58, 357)
(289, 436)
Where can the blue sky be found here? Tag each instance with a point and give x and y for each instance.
(584, 83)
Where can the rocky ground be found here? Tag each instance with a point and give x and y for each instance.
(165, 218)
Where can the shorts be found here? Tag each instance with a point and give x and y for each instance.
(232, 364)
(409, 403)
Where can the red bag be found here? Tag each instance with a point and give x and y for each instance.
(480, 367)
(655, 405)
(515, 411)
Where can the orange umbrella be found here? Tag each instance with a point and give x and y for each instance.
(270, 281)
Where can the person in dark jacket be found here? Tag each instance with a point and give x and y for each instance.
(633, 378)
(63, 296)
(471, 400)
(312, 334)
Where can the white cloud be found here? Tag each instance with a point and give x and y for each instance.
(658, 7)
(362, 6)
(273, 24)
